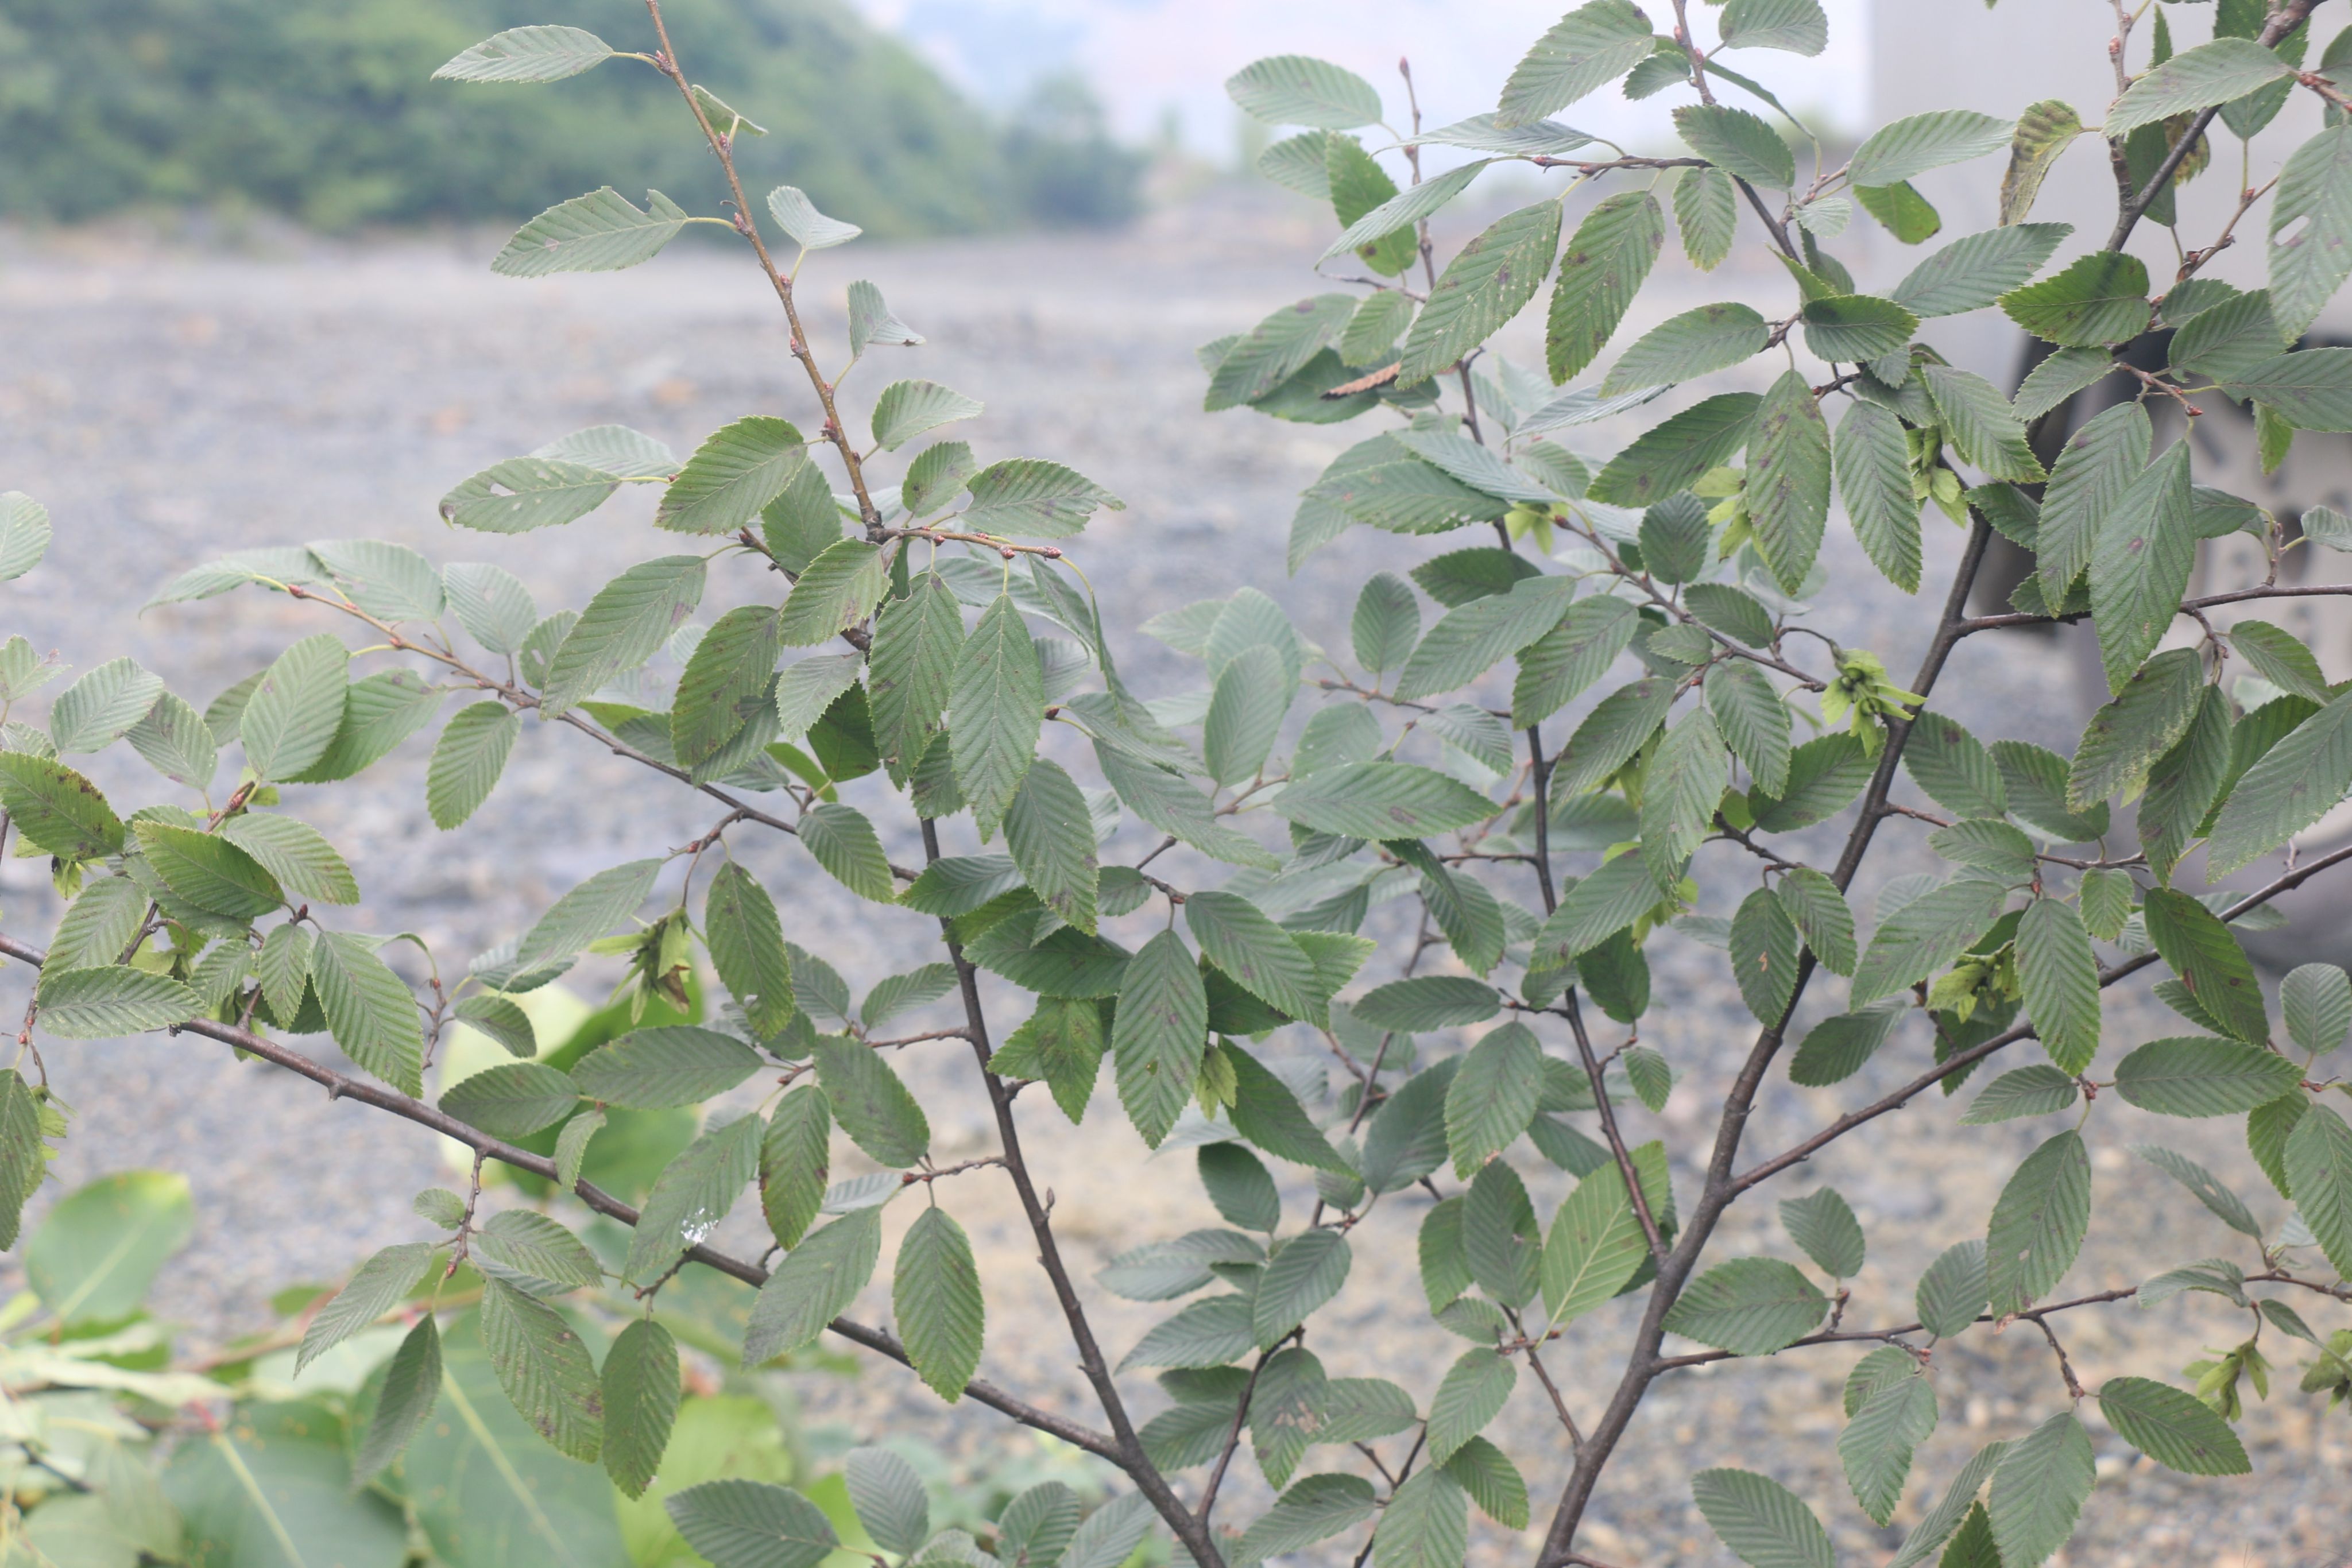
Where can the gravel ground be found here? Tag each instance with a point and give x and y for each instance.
(167, 401)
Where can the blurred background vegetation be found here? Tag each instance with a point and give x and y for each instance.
(322, 111)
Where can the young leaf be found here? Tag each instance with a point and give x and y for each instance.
(380, 1283)
(527, 55)
(935, 1291)
(2038, 1224)
(890, 1501)
(640, 1394)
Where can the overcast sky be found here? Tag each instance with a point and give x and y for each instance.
(1145, 57)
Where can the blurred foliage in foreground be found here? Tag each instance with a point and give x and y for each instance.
(320, 109)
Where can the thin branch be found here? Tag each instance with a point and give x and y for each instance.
(1624, 1158)
(340, 1087)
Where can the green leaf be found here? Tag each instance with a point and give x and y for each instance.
(2172, 1428)
(1471, 1395)
(917, 641)
(99, 924)
(526, 55)
(1485, 286)
(1738, 142)
(1822, 1224)
(2039, 1491)
(1298, 89)
(1240, 1186)
(1907, 148)
(2125, 738)
(1493, 1096)
(1427, 1002)
(2195, 79)
(208, 872)
(600, 232)
(794, 1162)
(1797, 26)
(2201, 950)
(2060, 975)
(2059, 377)
(935, 1291)
(1683, 348)
(380, 1283)
(1426, 1524)
(2313, 210)
(2038, 1224)
(297, 708)
(379, 711)
(938, 472)
(1788, 479)
(109, 1000)
(2316, 1001)
(998, 703)
(535, 1245)
(1029, 497)
(1381, 801)
(907, 409)
(24, 533)
(98, 1250)
(368, 1011)
(2310, 388)
(2295, 783)
(810, 229)
(2037, 1091)
(691, 1197)
(1051, 835)
(56, 809)
(871, 322)
(1669, 456)
(412, 1386)
(1315, 1508)
(526, 493)
(1888, 1424)
(639, 1393)
(468, 759)
(746, 948)
(2107, 901)
(1158, 1034)
(1238, 938)
(1749, 1306)
(1309, 1270)
(1251, 697)
(2035, 779)
(1820, 910)
(1386, 623)
(1685, 780)
(1468, 641)
(2098, 299)
(1598, 907)
(725, 685)
(492, 1015)
(1707, 212)
(663, 1067)
(2202, 1076)
(890, 1501)
(840, 589)
(870, 1102)
(2229, 338)
(1208, 1333)
(1925, 935)
(1591, 46)
(1606, 261)
(1856, 327)
(629, 619)
(589, 911)
(1976, 269)
(844, 843)
(175, 741)
(1981, 424)
(572, 1147)
(99, 710)
(513, 1099)
(1763, 1523)
(751, 1524)
(2279, 658)
(1574, 654)
(814, 1284)
(2318, 1166)
(1765, 943)
(2140, 563)
(1953, 1292)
